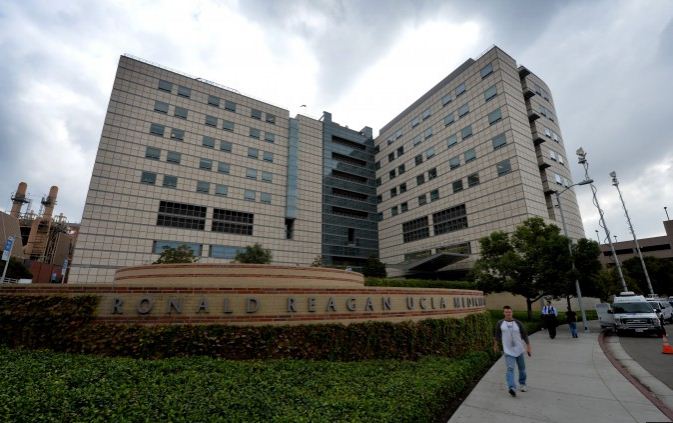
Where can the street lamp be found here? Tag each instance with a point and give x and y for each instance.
(598, 238)
(582, 159)
(615, 182)
(570, 248)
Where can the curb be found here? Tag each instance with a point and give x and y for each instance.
(634, 381)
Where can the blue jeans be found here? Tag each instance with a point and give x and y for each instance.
(573, 329)
(521, 364)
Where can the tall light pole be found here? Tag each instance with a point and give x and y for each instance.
(570, 248)
(598, 238)
(666, 211)
(582, 159)
(615, 182)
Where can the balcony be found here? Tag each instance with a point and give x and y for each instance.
(523, 72)
(533, 115)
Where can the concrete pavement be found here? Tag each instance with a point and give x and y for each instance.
(569, 380)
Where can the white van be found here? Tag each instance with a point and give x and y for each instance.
(632, 313)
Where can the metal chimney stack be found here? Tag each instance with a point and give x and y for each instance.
(49, 202)
(19, 199)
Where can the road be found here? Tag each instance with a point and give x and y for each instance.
(646, 350)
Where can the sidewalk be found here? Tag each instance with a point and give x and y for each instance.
(569, 380)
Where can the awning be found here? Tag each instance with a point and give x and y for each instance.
(431, 263)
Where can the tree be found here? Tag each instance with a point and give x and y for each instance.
(587, 268)
(181, 254)
(660, 271)
(254, 254)
(16, 269)
(374, 268)
(317, 261)
(533, 262)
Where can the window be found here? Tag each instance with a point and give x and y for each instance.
(265, 197)
(470, 155)
(161, 107)
(504, 167)
(391, 157)
(404, 207)
(418, 159)
(152, 153)
(232, 222)
(449, 220)
(552, 155)
(466, 132)
(457, 186)
(180, 112)
(392, 174)
(400, 151)
(393, 211)
(448, 120)
(268, 156)
(473, 180)
(547, 132)
(379, 199)
(211, 121)
(460, 89)
(454, 162)
(256, 114)
(213, 101)
(271, 118)
(377, 182)
(558, 179)
(417, 140)
(428, 133)
(165, 86)
(415, 121)
(203, 187)
(255, 133)
(486, 70)
(184, 91)
(426, 114)
(398, 134)
(225, 146)
(223, 167)
(229, 105)
(250, 195)
(430, 152)
(205, 164)
(251, 173)
(253, 152)
(393, 192)
(224, 251)
(170, 181)
(434, 195)
(422, 200)
(494, 116)
(149, 178)
(208, 142)
(420, 179)
(403, 188)
(415, 229)
(560, 159)
(446, 99)
(432, 174)
(499, 141)
(173, 157)
(269, 137)
(156, 129)
(463, 110)
(158, 247)
(221, 190)
(490, 93)
(177, 134)
(401, 169)
(555, 136)
(228, 125)
(390, 140)
(267, 176)
(377, 165)
(178, 215)
(452, 140)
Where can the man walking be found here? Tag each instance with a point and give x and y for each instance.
(549, 314)
(511, 335)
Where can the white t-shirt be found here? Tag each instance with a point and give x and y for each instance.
(512, 344)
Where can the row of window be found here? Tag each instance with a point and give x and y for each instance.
(560, 180)
(229, 105)
(215, 251)
(447, 99)
(189, 216)
(204, 187)
(213, 122)
(551, 134)
(445, 221)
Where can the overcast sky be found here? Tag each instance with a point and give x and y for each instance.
(608, 63)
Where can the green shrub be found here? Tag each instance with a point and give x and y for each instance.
(420, 283)
(55, 387)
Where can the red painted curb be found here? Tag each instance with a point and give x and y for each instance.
(635, 382)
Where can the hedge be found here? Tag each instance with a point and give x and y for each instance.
(56, 387)
(420, 283)
(66, 324)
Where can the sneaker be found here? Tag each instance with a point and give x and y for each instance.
(523, 388)
(512, 392)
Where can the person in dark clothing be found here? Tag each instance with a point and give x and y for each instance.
(549, 315)
(571, 318)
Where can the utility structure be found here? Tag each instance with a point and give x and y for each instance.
(578, 290)
(615, 183)
(582, 159)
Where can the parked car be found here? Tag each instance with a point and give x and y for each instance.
(630, 313)
(664, 307)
